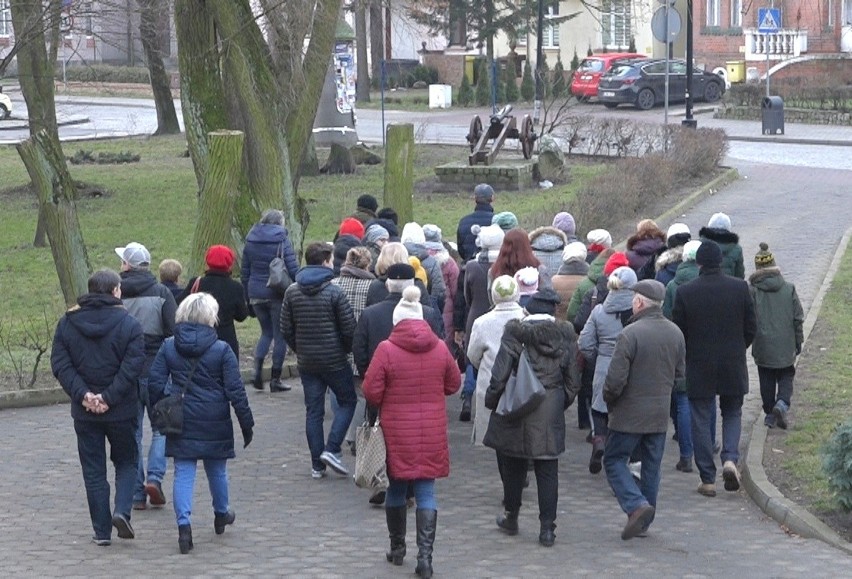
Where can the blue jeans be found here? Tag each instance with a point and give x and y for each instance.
(341, 383)
(269, 316)
(91, 447)
(704, 420)
(469, 386)
(156, 455)
(619, 447)
(217, 480)
(684, 425)
(424, 493)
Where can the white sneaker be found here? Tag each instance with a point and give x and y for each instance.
(334, 462)
(317, 474)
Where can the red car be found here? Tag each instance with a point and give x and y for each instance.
(584, 84)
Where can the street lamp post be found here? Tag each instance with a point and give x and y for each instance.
(689, 121)
(539, 58)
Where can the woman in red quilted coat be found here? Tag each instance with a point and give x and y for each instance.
(409, 377)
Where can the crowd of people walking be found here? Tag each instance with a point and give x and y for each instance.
(388, 321)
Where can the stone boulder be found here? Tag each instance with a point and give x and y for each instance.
(551, 160)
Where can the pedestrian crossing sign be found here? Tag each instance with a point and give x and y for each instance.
(768, 20)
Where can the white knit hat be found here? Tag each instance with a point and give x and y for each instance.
(412, 233)
(720, 221)
(488, 237)
(677, 229)
(575, 250)
(409, 307)
(504, 289)
(527, 280)
(690, 249)
(599, 237)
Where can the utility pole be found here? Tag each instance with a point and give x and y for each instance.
(539, 57)
(689, 121)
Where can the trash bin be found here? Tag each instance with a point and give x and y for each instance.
(772, 109)
(440, 96)
(736, 71)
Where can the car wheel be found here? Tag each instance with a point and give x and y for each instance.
(4, 112)
(712, 92)
(645, 100)
(610, 105)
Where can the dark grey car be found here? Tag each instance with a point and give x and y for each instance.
(642, 83)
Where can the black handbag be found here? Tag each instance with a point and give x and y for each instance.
(167, 414)
(279, 277)
(524, 391)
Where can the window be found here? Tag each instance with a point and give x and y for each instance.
(87, 13)
(551, 31)
(5, 18)
(736, 13)
(829, 7)
(714, 8)
(615, 23)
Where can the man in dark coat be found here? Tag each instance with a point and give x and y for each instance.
(647, 362)
(318, 324)
(716, 315)
(98, 354)
(153, 305)
(483, 195)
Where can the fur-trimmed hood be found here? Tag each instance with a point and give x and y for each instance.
(670, 257)
(634, 239)
(768, 279)
(548, 238)
(718, 235)
(550, 339)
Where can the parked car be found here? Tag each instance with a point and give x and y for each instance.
(584, 83)
(642, 83)
(5, 105)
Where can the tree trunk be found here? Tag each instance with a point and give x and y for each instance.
(310, 162)
(377, 40)
(399, 171)
(340, 161)
(167, 121)
(362, 87)
(218, 196)
(45, 163)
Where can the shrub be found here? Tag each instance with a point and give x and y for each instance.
(527, 85)
(512, 91)
(697, 151)
(483, 87)
(558, 88)
(423, 73)
(575, 61)
(105, 73)
(837, 464)
(83, 157)
(632, 46)
(465, 94)
(745, 95)
(589, 52)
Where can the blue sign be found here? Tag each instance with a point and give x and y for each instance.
(768, 20)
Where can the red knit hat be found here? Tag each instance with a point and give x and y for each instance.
(616, 260)
(351, 226)
(219, 257)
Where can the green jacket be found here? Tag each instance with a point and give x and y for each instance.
(686, 272)
(779, 319)
(586, 284)
(732, 252)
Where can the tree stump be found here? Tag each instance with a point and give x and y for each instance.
(340, 161)
(399, 171)
(364, 156)
(218, 196)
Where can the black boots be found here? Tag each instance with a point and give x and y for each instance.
(508, 522)
(396, 517)
(185, 539)
(220, 520)
(547, 536)
(257, 382)
(596, 460)
(276, 385)
(427, 520)
(464, 416)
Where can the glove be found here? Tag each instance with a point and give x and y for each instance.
(798, 349)
(248, 434)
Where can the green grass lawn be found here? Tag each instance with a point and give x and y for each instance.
(154, 202)
(823, 390)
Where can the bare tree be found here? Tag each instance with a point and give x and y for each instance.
(150, 12)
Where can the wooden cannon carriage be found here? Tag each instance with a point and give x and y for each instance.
(501, 126)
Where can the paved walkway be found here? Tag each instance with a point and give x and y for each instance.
(288, 524)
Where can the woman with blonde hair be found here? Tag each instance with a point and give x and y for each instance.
(206, 369)
(393, 252)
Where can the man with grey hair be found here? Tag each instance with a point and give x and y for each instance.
(648, 360)
(153, 306)
(483, 195)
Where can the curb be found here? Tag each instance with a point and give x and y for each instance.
(790, 141)
(21, 124)
(766, 495)
(29, 398)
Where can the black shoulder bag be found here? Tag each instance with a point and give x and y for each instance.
(167, 414)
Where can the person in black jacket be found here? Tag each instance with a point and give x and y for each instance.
(153, 306)
(97, 356)
(205, 368)
(717, 317)
(483, 194)
(230, 296)
(318, 324)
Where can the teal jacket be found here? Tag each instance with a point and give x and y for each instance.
(779, 319)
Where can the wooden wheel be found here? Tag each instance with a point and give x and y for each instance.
(527, 137)
(475, 132)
